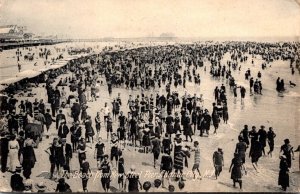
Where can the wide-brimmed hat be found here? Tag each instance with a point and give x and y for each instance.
(40, 186)
(146, 185)
(27, 183)
(178, 133)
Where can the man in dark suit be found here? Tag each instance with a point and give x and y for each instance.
(75, 111)
(4, 151)
(63, 129)
(59, 117)
(16, 181)
(67, 150)
(75, 135)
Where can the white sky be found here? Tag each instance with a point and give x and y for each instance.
(140, 18)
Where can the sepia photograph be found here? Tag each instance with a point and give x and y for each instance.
(114, 96)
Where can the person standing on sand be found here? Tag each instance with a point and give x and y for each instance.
(262, 138)
(60, 117)
(106, 173)
(98, 123)
(85, 174)
(75, 135)
(253, 134)
(16, 180)
(166, 165)
(48, 121)
(243, 92)
(287, 150)
(283, 179)
(4, 151)
(218, 161)
(53, 157)
(13, 149)
(236, 168)
(271, 135)
(255, 152)
(156, 149)
(196, 165)
(245, 135)
(75, 110)
(241, 148)
(133, 180)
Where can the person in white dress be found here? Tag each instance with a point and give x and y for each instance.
(13, 147)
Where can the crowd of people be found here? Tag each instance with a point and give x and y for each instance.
(160, 124)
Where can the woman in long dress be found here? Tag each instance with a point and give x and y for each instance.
(236, 170)
(13, 147)
(284, 179)
(28, 156)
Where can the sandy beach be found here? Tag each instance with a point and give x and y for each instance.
(269, 109)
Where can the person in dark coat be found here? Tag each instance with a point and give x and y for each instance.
(54, 156)
(245, 135)
(169, 123)
(216, 121)
(133, 181)
(28, 155)
(241, 148)
(284, 179)
(48, 120)
(236, 170)
(105, 167)
(262, 138)
(63, 129)
(287, 150)
(4, 151)
(253, 134)
(255, 152)
(75, 111)
(75, 135)
(187, 127)
(67, 150)
(28, 106)
(85, 174)
(89, 131)
(13, 122)
(156, 148)
(218, 161)
(271, 135)
(62, 186)
(59, 117)
(206, 122)
(16, 181)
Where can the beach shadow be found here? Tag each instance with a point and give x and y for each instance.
(226, 184)
(146, 164)
(114, 189)
(272, 188)
(45, 175)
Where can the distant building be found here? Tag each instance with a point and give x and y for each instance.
(11, 32)
(28, 35)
